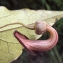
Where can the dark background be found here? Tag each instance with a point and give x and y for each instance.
(56, 54)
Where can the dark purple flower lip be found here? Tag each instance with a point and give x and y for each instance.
(19, 36)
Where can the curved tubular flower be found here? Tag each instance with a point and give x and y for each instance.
(39, 45)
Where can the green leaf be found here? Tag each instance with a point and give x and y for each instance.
(10, 48)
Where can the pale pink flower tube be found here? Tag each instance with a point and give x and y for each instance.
(39, 45)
